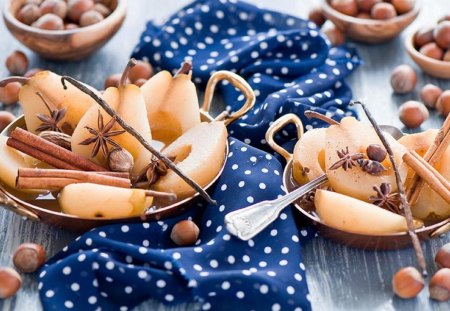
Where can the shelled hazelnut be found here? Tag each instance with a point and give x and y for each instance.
(442, 258)
(407, 283)
(29, 257)
(413, 114)
(10, 93)
(443, 103)
(440, 285)
(10, 282)
(184, 233)
(315, 15)
(430, 94)
(403, 79)
(62, 14)
(334, 34)
(5, 119)
(17, 63)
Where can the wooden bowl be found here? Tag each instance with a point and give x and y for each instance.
(370, 30)
(433, 67)
(69, 45)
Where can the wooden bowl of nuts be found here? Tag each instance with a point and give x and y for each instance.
(64, 30)
(429, 48)
(371, 21)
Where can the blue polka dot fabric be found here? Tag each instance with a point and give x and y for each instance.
(291, 68)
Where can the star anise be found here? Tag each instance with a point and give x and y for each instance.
(153, 171)
(102, 137)
(50, 122)
(346, 159)
(385, 198)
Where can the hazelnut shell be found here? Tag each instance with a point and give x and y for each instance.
(10, 282)
(407, 283)
(184, 233)
(29, 257)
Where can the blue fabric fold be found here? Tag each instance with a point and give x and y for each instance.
(291, 68)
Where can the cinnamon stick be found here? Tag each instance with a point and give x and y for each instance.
(48, 152)
(163, 195)
(51, 179)
(429, 175)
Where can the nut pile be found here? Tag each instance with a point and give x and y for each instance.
(413, 113)
(434, 42)
(327, 27)
(63, 14)
(373, 9)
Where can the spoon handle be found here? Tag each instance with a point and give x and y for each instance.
(247, 222)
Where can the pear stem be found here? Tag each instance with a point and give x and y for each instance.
(317, 115)
(185, 68)
(138, 136)
(163, 195)
(6, 81)
(404, 201)
(123, 80)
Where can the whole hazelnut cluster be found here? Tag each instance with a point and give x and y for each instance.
(373, 9)
(63, 14)
(414, 113)
(408, 282)
(434, 42)
(333, 33)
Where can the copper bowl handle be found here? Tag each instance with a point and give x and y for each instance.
(238, 82)
(442, 229)
(289, 118)
(15, 207)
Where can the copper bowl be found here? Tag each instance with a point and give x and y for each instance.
(370, 30)
(308, 215)
(433, 67)
(46, 208)
(69, 45)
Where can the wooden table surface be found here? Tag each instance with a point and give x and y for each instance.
(339, 278)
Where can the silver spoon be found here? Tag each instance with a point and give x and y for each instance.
(247, 222)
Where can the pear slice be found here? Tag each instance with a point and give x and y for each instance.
(352, 215)
(172, 105)
(91, 200)
(355, 182)
(309, 156)
(49, 85)
(200, 153)
(128, 103)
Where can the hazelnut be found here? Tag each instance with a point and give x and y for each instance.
(442, 258)
(120, 160)
(56, 7)
(334, 34)
(76, 8)
(113, 80)
(90, 17)
(347, 7)
(29, 13)
(366, 5)
(446, 57)
(315, 15)
(102, 9)
(70, 26)
(364, 15)
(423, 36)
(5, 119)
(440, 285)
(403, 79)
(407, 282)
(140, 82)
(10, 93)
(10, 282)
(29, 257)
(376, 152)
(442, 35)
(49, 22)
(403, 6)
(32, 72)
(443, 103)
(430, 94)
(383, 10)
(432, 50)
(142, 70)
(184, 233)
(17, 63)
(413, 114)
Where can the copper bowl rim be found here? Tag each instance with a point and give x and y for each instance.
(118, 12)
(372, 22)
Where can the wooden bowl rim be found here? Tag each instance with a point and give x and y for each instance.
(414, 53)
(372, 22)
(118, 12)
